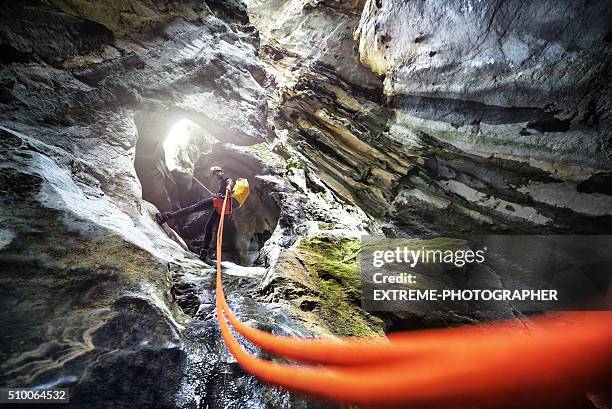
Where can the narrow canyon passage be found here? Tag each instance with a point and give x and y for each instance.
(173, 166)
(361, 126)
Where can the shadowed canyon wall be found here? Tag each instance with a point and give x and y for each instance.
(480, 116)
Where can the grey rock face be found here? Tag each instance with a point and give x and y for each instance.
(527, 80)
(95, 295)
(179, 72)
(463, 134)
(86, 297)
(462, 121)
(29, 33)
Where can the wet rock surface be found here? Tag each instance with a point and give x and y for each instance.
(95, 295)
(84, 304)
(453, 137)
(117, 315)
(212, 377)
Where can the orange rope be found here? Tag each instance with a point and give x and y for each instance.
(493, 366)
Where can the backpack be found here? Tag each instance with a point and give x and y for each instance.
(241, 190)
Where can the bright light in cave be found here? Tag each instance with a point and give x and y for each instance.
(177, 137)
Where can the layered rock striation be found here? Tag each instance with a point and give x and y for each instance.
(470, 112)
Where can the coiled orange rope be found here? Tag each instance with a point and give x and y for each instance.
(491, 366)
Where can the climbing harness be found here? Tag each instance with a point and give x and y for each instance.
(492, 366)
(218, 205)
(240, 192)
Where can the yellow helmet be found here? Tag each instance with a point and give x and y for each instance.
(216, 169)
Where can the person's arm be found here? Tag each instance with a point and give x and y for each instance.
(230, 184)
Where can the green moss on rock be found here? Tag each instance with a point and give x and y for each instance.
(292, 164)
(332, 264)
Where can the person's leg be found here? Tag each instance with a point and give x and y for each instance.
(209, 230)
(197, 207)
(213, 221)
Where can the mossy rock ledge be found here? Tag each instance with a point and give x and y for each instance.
(325, 277)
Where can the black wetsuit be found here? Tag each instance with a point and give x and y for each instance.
(206, 204)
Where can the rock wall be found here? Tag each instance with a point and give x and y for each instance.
(474, 118)
(522, 80)
(464, 129)
(95, 295)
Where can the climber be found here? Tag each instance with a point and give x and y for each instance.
(225, 184)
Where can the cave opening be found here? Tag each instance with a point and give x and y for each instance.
(185, 142)
(174, 155)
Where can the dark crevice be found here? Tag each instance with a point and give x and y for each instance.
(463, 112)
(550, 125)
(598, 183)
